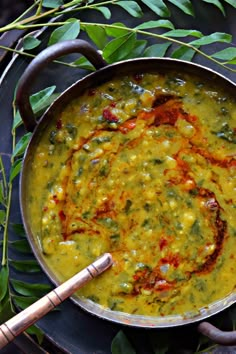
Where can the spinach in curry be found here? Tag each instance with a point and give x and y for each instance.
(142, 167)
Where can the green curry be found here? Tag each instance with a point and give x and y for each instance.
(142, 167)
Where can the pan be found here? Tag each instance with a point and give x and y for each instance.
(137, 69)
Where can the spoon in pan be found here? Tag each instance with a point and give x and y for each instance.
(24, 319)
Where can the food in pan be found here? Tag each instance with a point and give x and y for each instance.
(144, 167)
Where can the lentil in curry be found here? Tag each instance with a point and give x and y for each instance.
(142, 167)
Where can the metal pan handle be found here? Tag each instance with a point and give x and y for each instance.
(216, 335)
(39, 62)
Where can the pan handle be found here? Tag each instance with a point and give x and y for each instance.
(216, 335)
(39, 62)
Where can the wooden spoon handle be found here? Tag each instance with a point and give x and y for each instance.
(17, 324)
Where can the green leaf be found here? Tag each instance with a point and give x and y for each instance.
(19, 230)
(21, 145)
(28, 266)
(131, 7)
(70, 30)
(52, 4)
(104, 10)
(158, 7)
(184, 5)
(2, 217)
(42, 99)
(156, 24)
(138, 49)
(23, 302)
(231, 2)
(30, 42)
(217, 3)
(117, 32)
(121, 345)
(160, 342)
(6, 309)
(17, 120)
(15, 169)
(2, 201)
(28, 289)
(212, 38)
(183, 53)
(226, 54)
(97, 34)
(119, 48)
(157, 50)
(183, 33)
(4, 278)
(37, 332)
(83, 63)
(21, 246)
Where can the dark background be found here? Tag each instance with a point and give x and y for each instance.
(11, 9)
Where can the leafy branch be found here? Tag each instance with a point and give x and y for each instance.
(172, 42)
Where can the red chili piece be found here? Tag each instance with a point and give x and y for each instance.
(162, 243)
(59, 124)
(109, 116)
(62, 215)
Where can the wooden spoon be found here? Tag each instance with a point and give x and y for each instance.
(17, 324)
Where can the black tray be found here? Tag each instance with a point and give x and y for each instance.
(71, 329)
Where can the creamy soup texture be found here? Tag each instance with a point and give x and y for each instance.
(142, 167)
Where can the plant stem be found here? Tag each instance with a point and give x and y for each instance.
(39, 9)
(70, 65)
(2, 170)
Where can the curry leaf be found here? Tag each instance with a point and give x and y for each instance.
(183, 53)
(4, 277)
(119, 48)
(184, 5)
(24, 301)
(158, 7)
(30, 42)
(138, 49)
(42, 99)
(226, 54)
(37, 332)
(159, 342)
(28, 266)
(121, 344)
(21, 246)
(157, 50)
(218, 4)
(231, 2)
(97, 34)
(183, 33)
(17, 120)
(104, 10)
(52, 4)
(22, 144)
(2, 217)
(6, 309)
(15, 169)
(212, 38)
(2, 194)
(28, 289)
(83, 63)
(19, 230)
(70, 30)
(131, 7)
(156, 24)
(117, 32)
